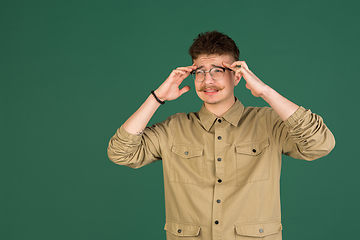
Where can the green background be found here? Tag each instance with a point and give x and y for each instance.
(73, 71)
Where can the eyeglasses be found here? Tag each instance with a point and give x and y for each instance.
(216, 73)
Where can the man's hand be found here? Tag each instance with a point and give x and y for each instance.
(282, 106)
(169, 90)
(253, 83)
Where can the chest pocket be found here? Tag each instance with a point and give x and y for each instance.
(252, 162)
(182, 231)
(264, 231)
(186, 164)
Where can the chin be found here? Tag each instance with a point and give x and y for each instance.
(208, 100)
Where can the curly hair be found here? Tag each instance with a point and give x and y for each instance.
(213, 42)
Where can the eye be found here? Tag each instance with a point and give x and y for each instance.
(199, 71)
(218, 70)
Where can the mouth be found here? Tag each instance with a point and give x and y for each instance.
(210, 91)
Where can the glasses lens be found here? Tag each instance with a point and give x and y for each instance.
(198, 75)
(217, 73)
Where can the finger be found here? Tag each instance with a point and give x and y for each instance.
(235, 64)
(236, 69)
(240, 63)
(188, 68)
(228, 65)
(179, 75)
(233, 67)
(180, 71)
(225, 64)
(185, 68)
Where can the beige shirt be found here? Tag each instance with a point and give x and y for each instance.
(221, 175)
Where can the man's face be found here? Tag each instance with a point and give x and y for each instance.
(216, 92)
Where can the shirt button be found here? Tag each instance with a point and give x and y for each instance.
(254, 150)
(186, 153)
(261, 231)
(218, 201)
(216, 222)
(219, 180)
(219, 159)
(219, 137)
(179, 231)
(219, 120)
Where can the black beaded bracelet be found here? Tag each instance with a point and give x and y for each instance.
(157, 99)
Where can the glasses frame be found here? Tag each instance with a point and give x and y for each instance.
(193, 74)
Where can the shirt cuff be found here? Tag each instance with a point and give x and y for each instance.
(293, 120)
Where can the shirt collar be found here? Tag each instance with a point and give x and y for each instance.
(232, 115)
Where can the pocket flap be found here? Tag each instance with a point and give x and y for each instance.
(187, 151)
(258, 229)
(252, 148)
(182, 229)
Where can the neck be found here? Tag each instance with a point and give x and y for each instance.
(219, 109)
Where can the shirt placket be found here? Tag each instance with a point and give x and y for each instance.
(219, 178)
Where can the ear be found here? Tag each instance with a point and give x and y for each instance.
(237, 79)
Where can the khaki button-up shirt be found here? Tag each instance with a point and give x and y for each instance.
(221, 175)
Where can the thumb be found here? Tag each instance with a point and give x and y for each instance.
(184, 90)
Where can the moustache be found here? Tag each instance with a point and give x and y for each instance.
(204, 87)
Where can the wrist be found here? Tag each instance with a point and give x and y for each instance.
(159, 95)
(266, 92)
(157, 98)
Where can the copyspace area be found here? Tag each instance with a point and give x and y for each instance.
(72, 72)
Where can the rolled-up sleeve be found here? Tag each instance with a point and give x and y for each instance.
(136, 151)
(305, 136)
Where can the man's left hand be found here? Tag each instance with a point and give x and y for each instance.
(253, 83)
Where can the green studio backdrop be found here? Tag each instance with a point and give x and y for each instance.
(73, 71)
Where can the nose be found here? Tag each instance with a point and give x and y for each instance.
(208, 78)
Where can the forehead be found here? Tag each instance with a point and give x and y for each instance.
(212, 60)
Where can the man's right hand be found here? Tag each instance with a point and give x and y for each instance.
(169, 90)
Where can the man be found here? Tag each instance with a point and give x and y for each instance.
(221, 164)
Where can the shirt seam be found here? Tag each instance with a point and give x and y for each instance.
(272, 135)
(170, 137)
